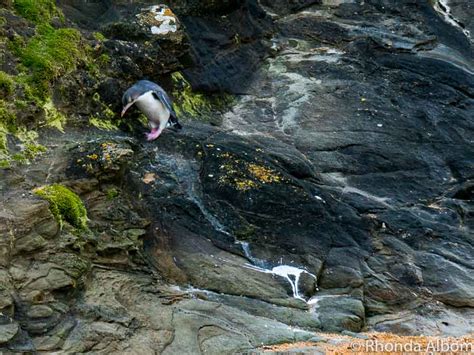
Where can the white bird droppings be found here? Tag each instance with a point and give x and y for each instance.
(166, 21)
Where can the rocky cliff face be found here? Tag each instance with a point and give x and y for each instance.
(322, 181)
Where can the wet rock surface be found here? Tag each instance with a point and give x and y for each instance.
(336, 195)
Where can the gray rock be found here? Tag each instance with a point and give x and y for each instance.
(47, 343)
(340, 313)
(307, 284)
(29, 243)
(288, 315)
(40, 311)
(8, 331)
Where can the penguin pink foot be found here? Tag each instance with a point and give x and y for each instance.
(155, 133)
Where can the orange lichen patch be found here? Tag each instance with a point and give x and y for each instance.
(168, 12)
(382, 343)
(149, 178)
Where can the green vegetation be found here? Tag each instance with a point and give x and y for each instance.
(6, 84)
(7, 120)
(103, 60)
(65, 205)
(53, 117)
(103, 124)
(98, 36)
(44, 57)
(50, 54)
(188, 102)
(4, 161)
(105, 117)
(7, 115)
(112, 193)
(28, 137)
(37, 11)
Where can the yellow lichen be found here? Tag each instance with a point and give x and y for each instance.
(245, 184)
(53, 117)
(244, 176)
(264, 174)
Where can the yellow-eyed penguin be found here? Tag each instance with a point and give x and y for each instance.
(154, 103)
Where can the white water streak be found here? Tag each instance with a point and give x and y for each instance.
(442, 6)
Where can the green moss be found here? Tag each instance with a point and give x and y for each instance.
(105, 118)
(15, 44)
(7, 115)
(27, 154)
(103, 60)
(7, 125)
(190, 103)
(26, 136)
(30, 148)
(64, 204)
(20, 158)
(21, 104)
(6, 84)
(3, 141)
(49, 54)
(4, 163)
(38, 11)
(98, 36)
(33, 150)
(102, 124)
(112, 193)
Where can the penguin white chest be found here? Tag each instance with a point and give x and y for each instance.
(153, 109)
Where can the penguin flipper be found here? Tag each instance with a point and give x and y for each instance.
(165, 100)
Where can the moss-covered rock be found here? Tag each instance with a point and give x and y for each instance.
(195, 105)
(64, 204)
(50, 54)
(38, 11)
(6, 84)
(53, 117)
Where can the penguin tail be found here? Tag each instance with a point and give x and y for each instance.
(174, 122)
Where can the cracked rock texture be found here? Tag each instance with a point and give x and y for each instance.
(347, 152)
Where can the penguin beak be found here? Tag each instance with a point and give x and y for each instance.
(127, 107)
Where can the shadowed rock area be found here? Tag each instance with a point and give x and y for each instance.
(332, 192)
